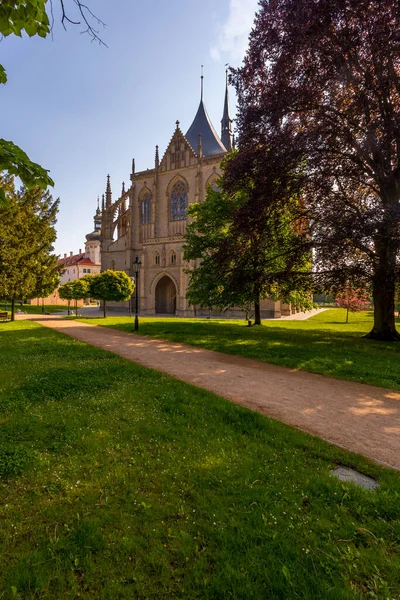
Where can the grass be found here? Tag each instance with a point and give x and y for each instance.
(323, 344)
(32, 309)
(120, 482)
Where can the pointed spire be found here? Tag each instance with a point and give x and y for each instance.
(133, 166)
(200, 147)
(102, 204)
(226, 121)
(108, 192)
(202, 84)
(157, 159)
(177, 124)
(122, 206)
(98, 202)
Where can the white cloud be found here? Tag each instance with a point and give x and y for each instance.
(233, 34)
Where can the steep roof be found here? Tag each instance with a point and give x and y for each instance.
(211, 142)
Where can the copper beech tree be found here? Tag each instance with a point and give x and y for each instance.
(321, 79)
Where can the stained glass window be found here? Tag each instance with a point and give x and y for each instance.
(146, 210)
(178, 202)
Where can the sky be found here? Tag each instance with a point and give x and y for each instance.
(83, 110)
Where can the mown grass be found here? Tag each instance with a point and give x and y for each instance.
(32, 309)
(322, 344)
(120, 482)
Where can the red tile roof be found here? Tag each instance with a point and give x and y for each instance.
(76, 259)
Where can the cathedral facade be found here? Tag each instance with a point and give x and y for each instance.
(149, 218)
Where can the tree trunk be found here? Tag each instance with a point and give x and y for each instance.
(13, 309)
(104, 308)
(347, 315)
(257, 312)
(384, 328)
(76, 308)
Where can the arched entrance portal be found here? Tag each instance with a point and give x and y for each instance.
(165, 296)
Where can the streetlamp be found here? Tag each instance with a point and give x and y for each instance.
(136, 269)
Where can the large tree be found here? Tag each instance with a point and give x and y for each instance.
(27, 234)
(248, 240)
(322, 78)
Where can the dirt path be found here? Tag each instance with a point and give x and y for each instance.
(361, 418)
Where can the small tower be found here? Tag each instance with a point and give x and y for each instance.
(226, 121)
(92, 244)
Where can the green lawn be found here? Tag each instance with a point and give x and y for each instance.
(32, 309)
(323, 344)
(118, 482)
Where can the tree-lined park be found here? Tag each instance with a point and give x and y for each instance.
(120, 481)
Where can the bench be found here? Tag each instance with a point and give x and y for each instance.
(3, 316)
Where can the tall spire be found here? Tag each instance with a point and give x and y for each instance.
(108, 192)
(202, 83)
(226, 121)
(102, 204)
(157, 159)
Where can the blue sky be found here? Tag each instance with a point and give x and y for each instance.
(82, 110)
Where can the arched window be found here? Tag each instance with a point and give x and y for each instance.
(146, 209)
(178, 201)
(156, 259)
(173, 257)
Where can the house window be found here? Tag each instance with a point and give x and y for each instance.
(146, 209)
(88, 271)
(157, 259)
(173, 258)
(84, 270)
(178, 201)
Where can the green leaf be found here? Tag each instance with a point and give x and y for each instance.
(16, 162)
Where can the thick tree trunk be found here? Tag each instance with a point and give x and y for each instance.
(104, 309)
(384, 328)
(257, 313)
(13, 309)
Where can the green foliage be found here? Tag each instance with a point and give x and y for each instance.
(24, 15)
(74, 290)
(28, 266)
(111, 286)
(16, 162)
(141, 486)
(246, 249)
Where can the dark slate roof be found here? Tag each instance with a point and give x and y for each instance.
(211, 141)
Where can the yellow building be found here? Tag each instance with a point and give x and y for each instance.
(149, 219)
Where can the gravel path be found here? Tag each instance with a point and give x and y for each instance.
(361, 418)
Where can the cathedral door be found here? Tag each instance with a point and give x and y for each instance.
(165, 296)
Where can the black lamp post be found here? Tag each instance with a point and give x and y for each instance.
(136, 269)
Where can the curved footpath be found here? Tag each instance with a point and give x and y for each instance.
(359, 417)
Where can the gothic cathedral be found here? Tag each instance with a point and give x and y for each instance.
(149, 219)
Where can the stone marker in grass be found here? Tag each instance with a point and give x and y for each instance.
(346, 474)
